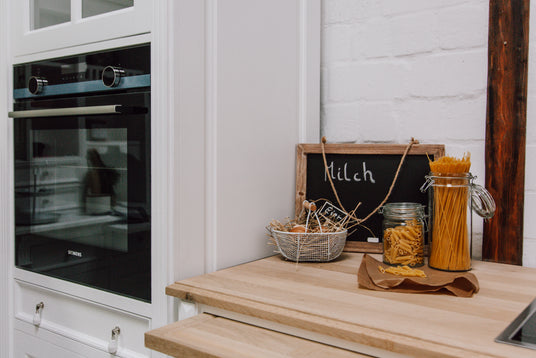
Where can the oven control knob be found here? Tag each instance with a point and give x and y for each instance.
(36, 84)
(111, 76)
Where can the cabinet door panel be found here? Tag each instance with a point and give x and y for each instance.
(27, 346)
(260, 92)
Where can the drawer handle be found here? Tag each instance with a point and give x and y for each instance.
(112, 346)
(37, 315)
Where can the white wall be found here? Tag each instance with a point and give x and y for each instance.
(529, 245)
(392, 70)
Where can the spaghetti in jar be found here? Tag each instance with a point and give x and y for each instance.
(403, 234)
(450, 222)
(450, 189)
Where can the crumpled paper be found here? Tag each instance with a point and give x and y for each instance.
(462, 284)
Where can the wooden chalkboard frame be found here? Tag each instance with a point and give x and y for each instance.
(434, 151)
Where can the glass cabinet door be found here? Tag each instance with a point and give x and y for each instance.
(46, 13)
(97, 7)
(44, 25)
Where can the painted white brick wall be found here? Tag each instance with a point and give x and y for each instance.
(529, 244)
(392, 70)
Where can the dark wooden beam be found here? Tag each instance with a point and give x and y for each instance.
(508, 47)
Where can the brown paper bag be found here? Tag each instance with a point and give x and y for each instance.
(463, 284)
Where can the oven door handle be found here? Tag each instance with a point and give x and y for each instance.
(78, 111)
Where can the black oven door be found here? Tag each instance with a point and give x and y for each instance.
(82, 194)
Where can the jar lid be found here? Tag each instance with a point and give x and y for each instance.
(402, 209)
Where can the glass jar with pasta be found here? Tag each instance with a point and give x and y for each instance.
(452, 195)
(451, 198)
(403, 234)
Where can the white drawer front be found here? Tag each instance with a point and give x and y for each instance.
(28, 346)
(80, 320)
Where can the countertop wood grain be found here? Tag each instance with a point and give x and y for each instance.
(209, 336)
(324, 299)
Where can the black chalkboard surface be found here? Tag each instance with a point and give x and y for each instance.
(363, 173)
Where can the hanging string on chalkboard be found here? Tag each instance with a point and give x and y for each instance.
(352, 213)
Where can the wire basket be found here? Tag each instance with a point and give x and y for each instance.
(310, 247)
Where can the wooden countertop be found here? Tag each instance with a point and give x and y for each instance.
(324, 299)
(209, 336)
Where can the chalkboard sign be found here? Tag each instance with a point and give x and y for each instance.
(362, 173)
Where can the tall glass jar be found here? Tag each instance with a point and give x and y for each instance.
(451, 197)
(403, 234)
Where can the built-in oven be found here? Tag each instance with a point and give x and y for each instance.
(83, 169)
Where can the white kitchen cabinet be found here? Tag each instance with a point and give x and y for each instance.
(245, 85)
(45, 25)
(75, 319)
(235, 86)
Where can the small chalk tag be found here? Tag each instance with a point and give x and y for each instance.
(373, 239)
(335, 214)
